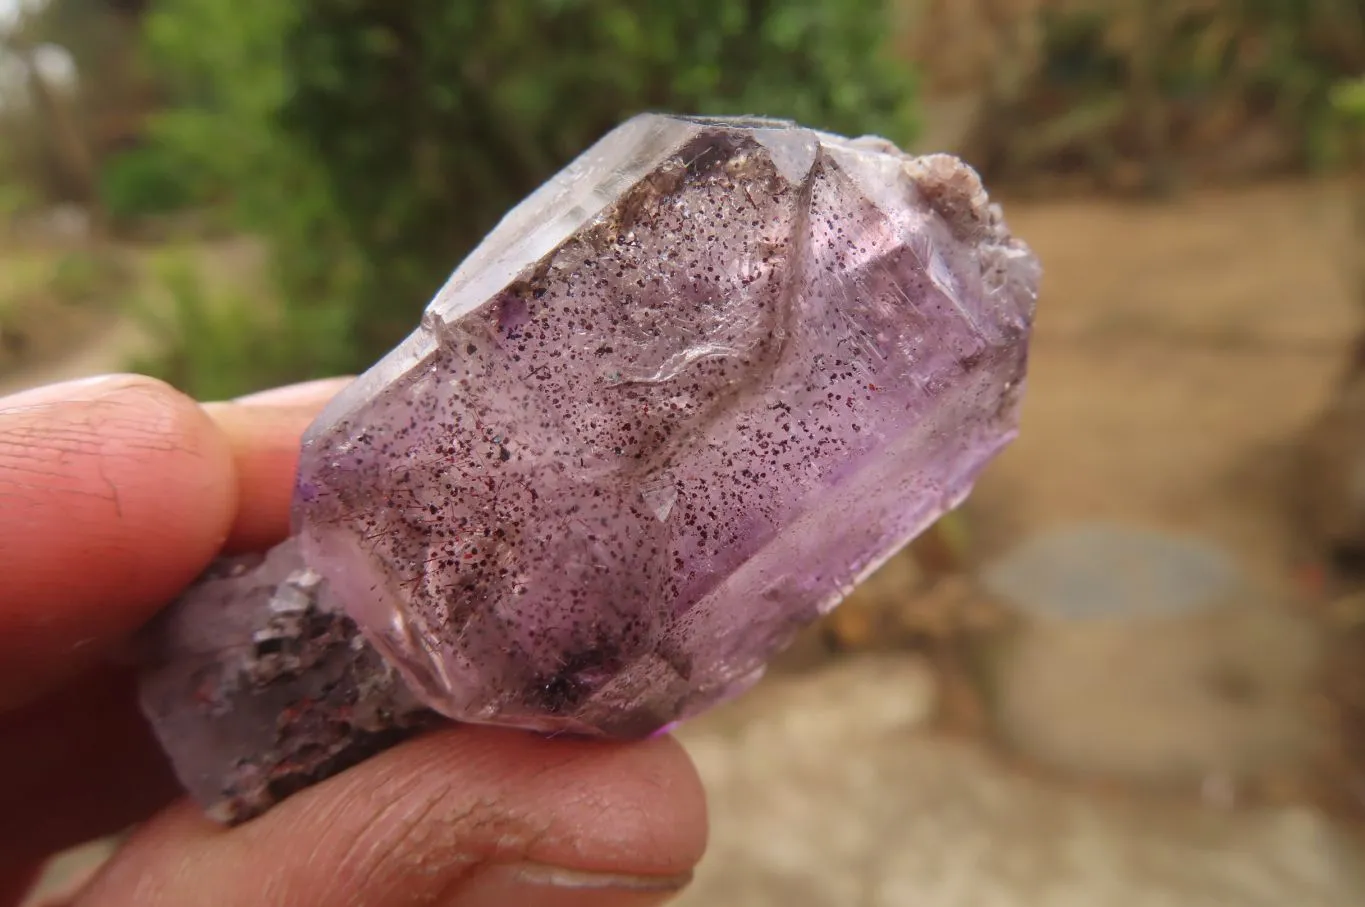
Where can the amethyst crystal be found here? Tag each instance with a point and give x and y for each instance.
(671, 410)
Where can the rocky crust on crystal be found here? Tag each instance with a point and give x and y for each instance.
(258, 685)
(672, 409)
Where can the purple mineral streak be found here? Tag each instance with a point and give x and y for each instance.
(672, 409)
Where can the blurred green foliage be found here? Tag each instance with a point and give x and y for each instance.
(374, 142)
(1347, 100)
(16, 193)
(145, 182)
(219, 340)
(16, 198)
(85, 277)
(1348, 108)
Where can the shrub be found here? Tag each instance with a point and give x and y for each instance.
(1163, 82)
(145, 182)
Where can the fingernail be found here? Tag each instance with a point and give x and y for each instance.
(296, 394)
(550, 886)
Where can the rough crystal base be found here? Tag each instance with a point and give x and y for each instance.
(258, 686)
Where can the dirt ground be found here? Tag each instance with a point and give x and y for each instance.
(1180, 349)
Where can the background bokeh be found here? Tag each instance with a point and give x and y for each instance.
(1130, 671)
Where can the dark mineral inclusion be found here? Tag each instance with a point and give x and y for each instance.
(671, 410)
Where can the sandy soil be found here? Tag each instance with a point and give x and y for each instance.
(1179, 350)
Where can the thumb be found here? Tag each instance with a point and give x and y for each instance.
(461, 817)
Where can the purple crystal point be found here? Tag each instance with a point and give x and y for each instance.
(673, 408)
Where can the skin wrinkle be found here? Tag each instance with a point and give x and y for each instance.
(278, 887)
(102, 465)
(422, 836)
(512, 836)
(54, 423)
(590, 800)
(629, 843)
(70, 438)
(149, 888)
(371, 853)
(494, 828)
(502, 820)
(408, 841)
(375, 854)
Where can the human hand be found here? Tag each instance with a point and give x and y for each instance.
(114, 494)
